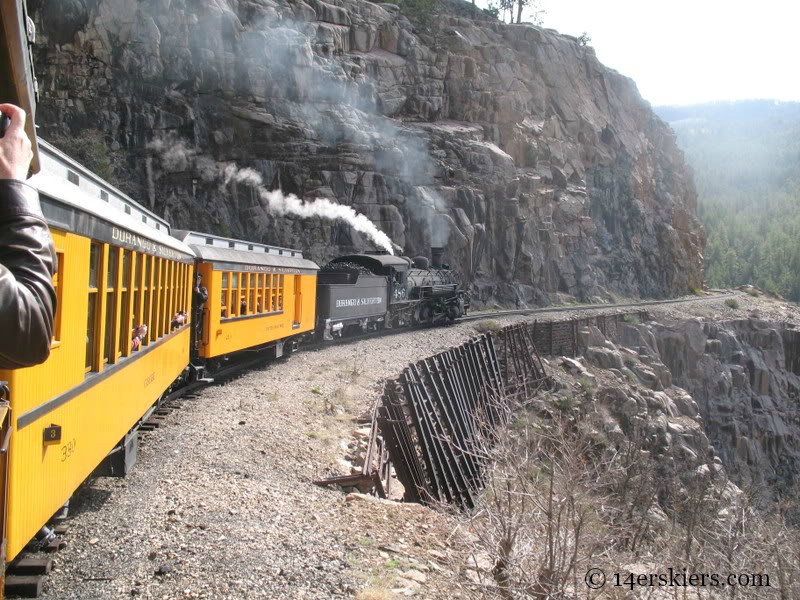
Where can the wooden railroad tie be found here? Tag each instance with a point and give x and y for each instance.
(26, 586)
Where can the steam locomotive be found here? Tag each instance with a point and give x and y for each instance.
(368, 291)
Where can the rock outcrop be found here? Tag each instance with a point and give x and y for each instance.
(742, 377)
(542, 171)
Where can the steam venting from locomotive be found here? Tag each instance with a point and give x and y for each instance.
(437, 257)
(175, 156)
(281, 204)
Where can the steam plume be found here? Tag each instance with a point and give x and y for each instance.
(175, 156)
(281, 204)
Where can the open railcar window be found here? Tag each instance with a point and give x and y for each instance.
(110, 305)
(245, 294)
(91, 313)
(128, 289)
(59, 288)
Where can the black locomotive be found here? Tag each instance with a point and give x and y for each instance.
(363, 292)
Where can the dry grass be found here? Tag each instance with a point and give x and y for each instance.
(374, 593)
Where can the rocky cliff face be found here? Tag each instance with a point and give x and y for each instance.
(746, 381)
(740, 379)
(543, 172)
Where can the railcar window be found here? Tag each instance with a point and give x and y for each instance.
(157, 275)
(268, 292)
(110, 308)
(236, 295)
(253, 308)
(260, 293)
(147, 302)
(94, 257)
(57, 279)
(245, 294)
(173, 296)
(273, 293)
(136, 318)
(125, 325)
(224, 300)
(165, 283)
(168, 277)
(166, 286)
(179, 285)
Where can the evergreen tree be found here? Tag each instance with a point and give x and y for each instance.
(746, 160)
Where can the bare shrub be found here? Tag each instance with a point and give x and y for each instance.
(540, 520)
(561, 499)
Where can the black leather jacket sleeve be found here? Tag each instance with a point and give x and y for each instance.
(27, 265)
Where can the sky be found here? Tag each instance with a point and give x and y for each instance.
(690, 51)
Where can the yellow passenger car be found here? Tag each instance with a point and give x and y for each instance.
(259, 296)
(119, 273)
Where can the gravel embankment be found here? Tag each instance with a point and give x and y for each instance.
(221, 503)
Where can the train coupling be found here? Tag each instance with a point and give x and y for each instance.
(198, 374)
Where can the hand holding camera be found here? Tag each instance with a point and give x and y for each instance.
(15, 147)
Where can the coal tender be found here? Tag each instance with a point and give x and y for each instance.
(363, 292)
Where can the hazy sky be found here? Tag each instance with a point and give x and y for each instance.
(690, 51)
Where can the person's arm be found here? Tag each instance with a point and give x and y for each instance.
(27, 256)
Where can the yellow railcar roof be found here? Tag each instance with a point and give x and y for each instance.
(229, 251)
(130, 223)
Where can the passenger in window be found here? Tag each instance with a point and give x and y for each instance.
(243, 307)
(178, 320)
(138, 334)
(27, 254)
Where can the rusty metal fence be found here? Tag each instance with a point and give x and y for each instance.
(439, 417)
(434, 424)
(434, 419)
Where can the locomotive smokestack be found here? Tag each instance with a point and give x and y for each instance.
(437, 254)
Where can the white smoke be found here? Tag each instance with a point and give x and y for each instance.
(281, 204)
(175, 156)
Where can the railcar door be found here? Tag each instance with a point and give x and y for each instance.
(298, 302)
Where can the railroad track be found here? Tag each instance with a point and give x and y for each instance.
(587, 307)
(239, 367)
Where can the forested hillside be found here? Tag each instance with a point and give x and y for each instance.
(746, 158)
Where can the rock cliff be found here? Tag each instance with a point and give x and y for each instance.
(739, 378)
(543, 172)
